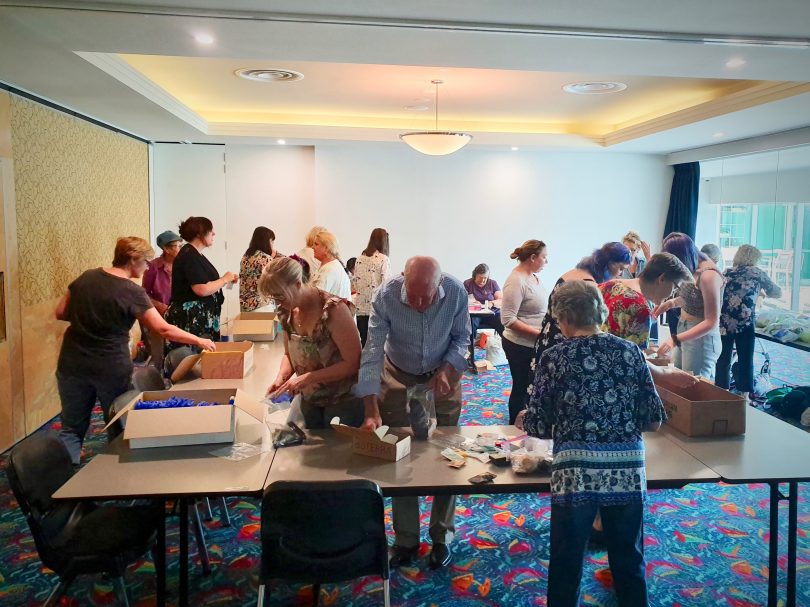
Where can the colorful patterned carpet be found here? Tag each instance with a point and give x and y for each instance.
(706, 545)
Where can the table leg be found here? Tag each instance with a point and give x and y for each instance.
(160, 554)
(793, 498)
(183, 598)
(773, 548)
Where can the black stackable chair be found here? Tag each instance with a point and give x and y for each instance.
(323, 532)
(75, 538)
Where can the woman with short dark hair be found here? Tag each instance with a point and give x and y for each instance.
(486, 292)
(196, 285)
(101, 306)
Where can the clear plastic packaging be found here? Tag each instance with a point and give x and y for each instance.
(421, 409)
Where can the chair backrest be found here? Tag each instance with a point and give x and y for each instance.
(147, 378)
(37, 467)
(323, 532)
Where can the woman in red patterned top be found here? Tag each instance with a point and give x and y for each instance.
(630, 301)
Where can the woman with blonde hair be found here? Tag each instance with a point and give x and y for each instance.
(331, 275)
(524, 305)
(744, 282)
(370, 271)
(101, 306)
(321, 346)
(634, 244)
(308, 254)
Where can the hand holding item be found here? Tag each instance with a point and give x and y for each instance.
(680, 378)
(294, 385)
(519, 420)
(665, 347)
(645, 248)
(440, 383)
(206, 344)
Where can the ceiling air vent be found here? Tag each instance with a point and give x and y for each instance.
(272, 75)
(594, 88)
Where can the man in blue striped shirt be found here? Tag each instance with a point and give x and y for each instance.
(418, 333)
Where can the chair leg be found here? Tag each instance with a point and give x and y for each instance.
(224, 515)
(260, 602)
(56, 594)
(209, 514)
(121, 591)
(201, 547)
(387, 593)
(316, 594)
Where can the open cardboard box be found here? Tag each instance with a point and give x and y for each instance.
(702, 409)
(232, 360)
(255, 326)
(186, 425)
(389, 447)
(483, 365)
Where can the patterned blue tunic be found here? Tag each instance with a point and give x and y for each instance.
(593, 395)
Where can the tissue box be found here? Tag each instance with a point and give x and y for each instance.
(389, 447)
(186, 425)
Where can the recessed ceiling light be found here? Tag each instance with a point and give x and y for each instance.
(515, 148)
(594, 88)
(735, 63)
(204, 38)
(269, 75)
(417, 108)
(718, 134)
(281, 142)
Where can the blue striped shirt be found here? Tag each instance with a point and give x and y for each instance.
(416, 342)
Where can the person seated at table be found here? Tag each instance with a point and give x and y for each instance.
(321, 346)
(697, 341)
(594, 396)
(488, 293)
(744, 282)
(605, 263)
(635, 245)
(94, 364)
(418, 333)
(524, 304)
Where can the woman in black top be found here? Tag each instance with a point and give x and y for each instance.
(196, 285)
(94, 362)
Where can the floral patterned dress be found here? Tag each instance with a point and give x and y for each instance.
(629, 312)
(593, 395)
(250, 270)
(743, 284)
(317, 351)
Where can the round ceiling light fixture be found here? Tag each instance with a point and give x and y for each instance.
(594, 88)
(270, 75)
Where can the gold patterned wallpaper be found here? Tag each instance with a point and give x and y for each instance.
(78, 188)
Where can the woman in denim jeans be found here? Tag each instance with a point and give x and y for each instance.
(697, 342)
(593, 394)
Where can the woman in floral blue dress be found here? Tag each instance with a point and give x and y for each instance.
(593, 394)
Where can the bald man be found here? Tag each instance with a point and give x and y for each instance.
(418, 333)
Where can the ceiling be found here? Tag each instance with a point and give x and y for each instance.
(697, 74)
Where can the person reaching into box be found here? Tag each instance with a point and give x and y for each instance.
(593, 394)
(418, 333)
(321, 346)
(101, 306)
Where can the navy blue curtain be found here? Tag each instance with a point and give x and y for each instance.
(683, 199)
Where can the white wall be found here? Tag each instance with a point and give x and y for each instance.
(477, 206)
(471, 207)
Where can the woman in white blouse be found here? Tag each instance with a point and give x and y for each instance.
(331, 276)
(525, 300)
(370, 271)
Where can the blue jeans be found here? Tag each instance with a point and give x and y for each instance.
(79, 395)
(698, 356)
(744, 378)
(624, 537)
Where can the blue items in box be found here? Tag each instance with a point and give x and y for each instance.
(173, 403)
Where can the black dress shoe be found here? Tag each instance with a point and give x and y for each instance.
(440, 556)
(402, 556)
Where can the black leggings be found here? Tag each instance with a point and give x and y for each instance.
(520, 360)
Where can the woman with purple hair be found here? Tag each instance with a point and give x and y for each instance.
(697, 343)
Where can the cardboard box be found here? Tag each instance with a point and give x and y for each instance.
(389, 447)
(187, 425)
(702, 409)
(232, 360)
(484, 365)
(255, 326)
